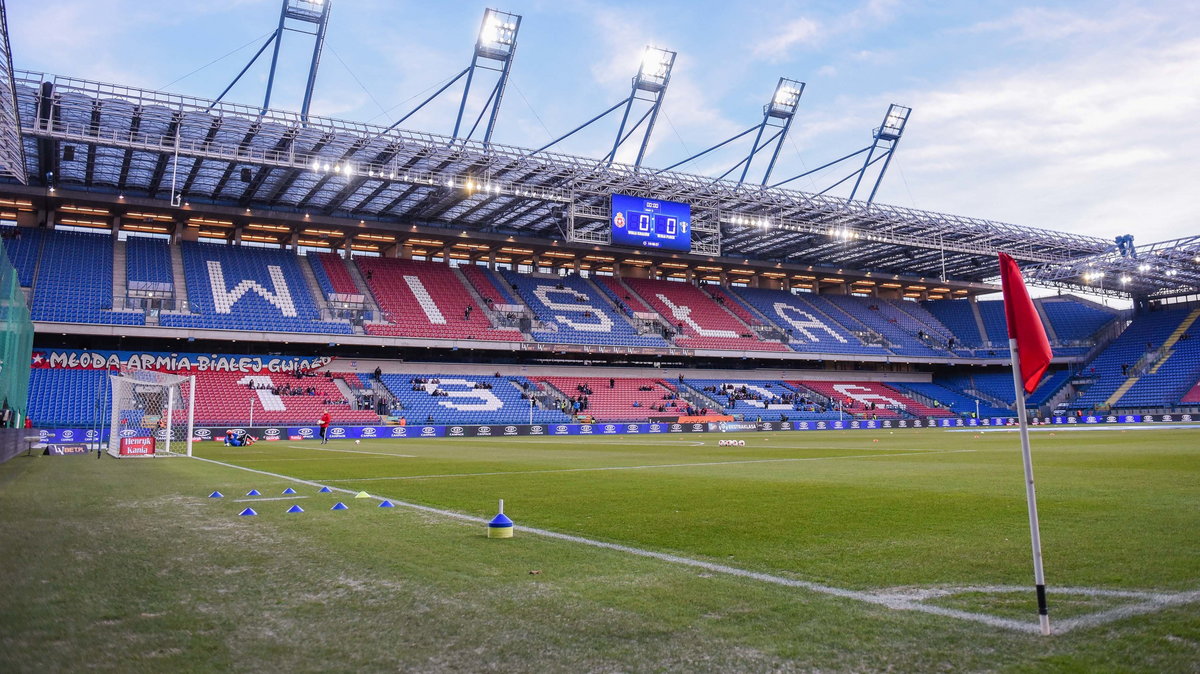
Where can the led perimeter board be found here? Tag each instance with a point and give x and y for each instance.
(648, 223)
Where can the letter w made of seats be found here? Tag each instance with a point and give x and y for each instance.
(223, 300)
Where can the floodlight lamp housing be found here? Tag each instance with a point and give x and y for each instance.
(655, 70)
(893, 123)
(497, 35)
(787, 97)
(306, 10)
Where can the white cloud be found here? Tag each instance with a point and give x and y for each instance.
(1041, 24)
(797, 33)
(1100, 145)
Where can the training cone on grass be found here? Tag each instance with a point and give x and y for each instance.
(248, 512)
(324, 490)
(289, 490)
(295, 509)
(216, 494)
(362, 494)
(339, 506)
(500, 526)
(386, 504)
(253, 492)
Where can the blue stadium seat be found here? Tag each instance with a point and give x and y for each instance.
(466, 404)
(74, 281)
(578, 312)
(810, 326)
(243, 288)
(148, 264)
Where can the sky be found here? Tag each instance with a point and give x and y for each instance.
(1072, 116)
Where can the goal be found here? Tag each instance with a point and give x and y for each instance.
(152, 413)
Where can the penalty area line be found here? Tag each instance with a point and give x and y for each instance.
(890, 602)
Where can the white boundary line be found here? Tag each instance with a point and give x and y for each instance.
(650, 465)
(887, 600)
(273, 498)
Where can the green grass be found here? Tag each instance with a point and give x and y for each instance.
(126, 565)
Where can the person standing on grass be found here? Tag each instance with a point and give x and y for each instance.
(324, 423)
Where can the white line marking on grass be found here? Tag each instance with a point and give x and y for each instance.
(887, 598)
(273, 498)
(890, 602)
(651, 465)
(1156, 603)
(1073, 428)
(351, 451)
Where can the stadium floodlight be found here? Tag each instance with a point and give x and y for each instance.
(893, 123)
(498, 34)
(787, 97)
(655, 70)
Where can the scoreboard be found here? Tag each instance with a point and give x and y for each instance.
(650, 223)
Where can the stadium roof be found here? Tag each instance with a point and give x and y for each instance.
(173, 148)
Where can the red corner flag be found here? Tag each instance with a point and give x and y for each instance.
(1024, 325)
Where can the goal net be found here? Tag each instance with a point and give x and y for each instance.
(152, 414)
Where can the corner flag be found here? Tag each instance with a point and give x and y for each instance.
(1030, 358)
(1024, 325)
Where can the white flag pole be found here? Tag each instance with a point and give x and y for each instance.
(1030, 494)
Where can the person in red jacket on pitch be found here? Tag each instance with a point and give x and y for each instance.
(324, 422)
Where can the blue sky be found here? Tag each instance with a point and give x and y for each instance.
(1073, 116)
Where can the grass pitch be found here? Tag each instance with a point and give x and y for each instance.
(123, 565)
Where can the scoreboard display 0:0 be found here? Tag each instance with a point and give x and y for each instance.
(651, 223)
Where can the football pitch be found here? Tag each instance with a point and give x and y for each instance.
(833, 551)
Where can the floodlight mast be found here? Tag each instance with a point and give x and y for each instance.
(777, 114)
(653, 76)
(887, 137)
(315, 12)
(497, 41)
(782, 107)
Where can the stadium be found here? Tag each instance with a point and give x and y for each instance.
(217, 299)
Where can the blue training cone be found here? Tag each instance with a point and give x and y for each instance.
(253, 492)
(500, 526)
(247, 512)
(289, 490)
(339, 506)
(324, 490)
(386, 504)
(216, 494)
(295, 509)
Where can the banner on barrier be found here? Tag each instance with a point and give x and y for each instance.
(276, 433)
(137, 446)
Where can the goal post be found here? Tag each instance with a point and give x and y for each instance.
(153, 414)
